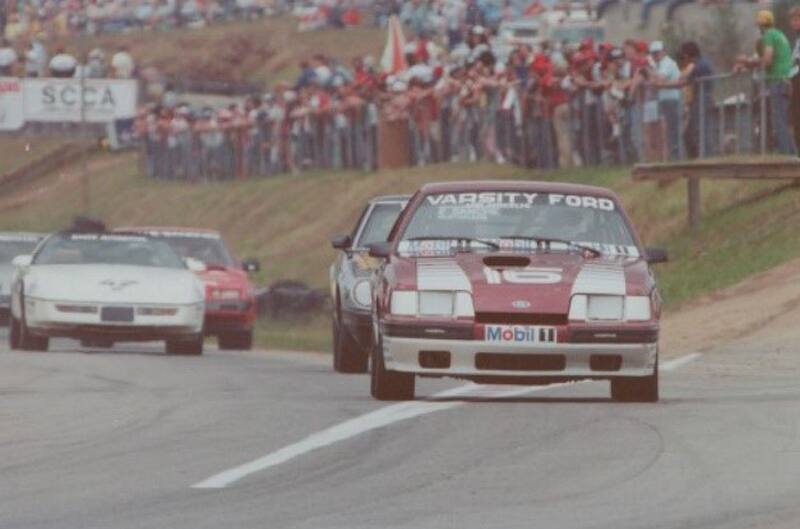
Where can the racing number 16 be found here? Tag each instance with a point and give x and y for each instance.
(524, 276)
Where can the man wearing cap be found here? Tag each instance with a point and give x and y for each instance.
(669, 98)
(776, 59)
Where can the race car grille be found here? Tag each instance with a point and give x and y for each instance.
(431, 332)
(519, 318)
(613, 336)
(519, 362)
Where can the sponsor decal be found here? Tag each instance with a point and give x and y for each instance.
(21, 237)
(521, 304)
(106, 237)
(524, 276)
(182, 234)
(520, 334)
(511, 200)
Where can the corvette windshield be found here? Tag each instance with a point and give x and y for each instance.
(9, 248)
(107, 249)
(208, 249)
(517, 221)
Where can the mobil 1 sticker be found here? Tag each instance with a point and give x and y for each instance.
(519, 334)
(514, 200)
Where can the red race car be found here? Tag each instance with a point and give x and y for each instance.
(230, 301)
(515, 282)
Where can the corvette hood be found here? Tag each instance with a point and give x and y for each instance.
(521, 283)
(225, 278)
(113, 284)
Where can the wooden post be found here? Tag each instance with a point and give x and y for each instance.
(693, 192)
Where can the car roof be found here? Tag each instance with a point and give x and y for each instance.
(174, 229)
(390, 198)
(516, 185)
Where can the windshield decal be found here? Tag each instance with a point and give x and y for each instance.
(106, 237)
(513, 200)
(183, 234)
(423, 248)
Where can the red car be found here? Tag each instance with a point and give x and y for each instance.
(230, 301)
(515, 282)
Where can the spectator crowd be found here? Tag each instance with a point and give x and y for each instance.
(552, 105)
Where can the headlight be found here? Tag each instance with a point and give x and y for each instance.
(432, 303)
(226, 293)
(362, 293)
(609, 308)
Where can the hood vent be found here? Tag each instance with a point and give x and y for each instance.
(506, 261)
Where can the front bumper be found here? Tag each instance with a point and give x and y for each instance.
(229, 316)
(43, 318)
(477, 359)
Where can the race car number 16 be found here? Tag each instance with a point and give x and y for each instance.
(524, 276)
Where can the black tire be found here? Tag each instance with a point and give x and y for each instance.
(236, 341)
(13, 334)
(348, 356)
(636, 389)
(26, 340)
(389, 385)
(186, 347)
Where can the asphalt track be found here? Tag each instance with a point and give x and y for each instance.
(131, 438)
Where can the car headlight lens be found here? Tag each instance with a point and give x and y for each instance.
(432, 303)
(226, 293)
(362, 293)
(609, 308)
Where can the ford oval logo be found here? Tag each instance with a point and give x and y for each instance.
(521, 304)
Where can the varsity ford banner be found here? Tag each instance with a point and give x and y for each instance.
(12, 116)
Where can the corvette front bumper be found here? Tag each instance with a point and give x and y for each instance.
(478, 358)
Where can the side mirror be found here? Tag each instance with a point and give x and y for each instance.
(194, 265)
(342, 242)
(381, 250)
(656, 255)
(22, 261)
(251, 265)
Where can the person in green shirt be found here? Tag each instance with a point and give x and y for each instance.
(775, 57)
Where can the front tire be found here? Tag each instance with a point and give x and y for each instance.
(14, 334)
(190, 347)
(389, 385)
(348, 357)
(636, 389)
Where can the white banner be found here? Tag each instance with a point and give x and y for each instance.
(12, 116)
(59, 100)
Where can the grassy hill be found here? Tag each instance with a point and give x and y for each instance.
(261, 51)
(286, 221)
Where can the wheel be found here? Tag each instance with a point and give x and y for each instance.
(636, 389)
(348, 356)
(240, 341)
(389, 385)
(184, 347)
(24, 339)
(13, 334)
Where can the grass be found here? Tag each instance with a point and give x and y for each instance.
(18, 151)
(313, 334)
(262, 51)
(286, 221)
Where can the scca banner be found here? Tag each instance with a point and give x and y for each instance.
(12, 116)
(59, 100)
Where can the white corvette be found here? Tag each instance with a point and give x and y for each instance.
(103, 288)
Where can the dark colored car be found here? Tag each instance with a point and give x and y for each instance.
(350, 283)
(515, 282)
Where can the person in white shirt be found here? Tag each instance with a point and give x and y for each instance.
(8, 58)
(666, 75)
(63, 65)
(122, 63)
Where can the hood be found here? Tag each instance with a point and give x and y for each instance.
(362, 265)
(225, 278)
(522, 283)
(113, 284)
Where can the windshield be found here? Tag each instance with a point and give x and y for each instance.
(11, 248)
(108, 249)
(515, 221)
(378, 224)
(207, 248)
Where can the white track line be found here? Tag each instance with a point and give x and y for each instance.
(384, 417)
